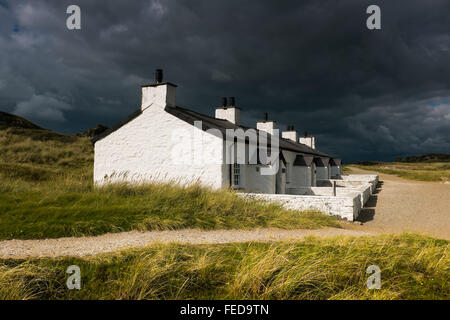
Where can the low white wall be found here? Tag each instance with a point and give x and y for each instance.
(350, 183)
(359, 177)
(363, 191)
(369, 178)
(347, 207)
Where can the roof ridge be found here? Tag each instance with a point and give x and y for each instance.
(189, 116)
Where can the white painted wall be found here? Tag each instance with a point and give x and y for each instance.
(322, 173)
(335, 171)
(142, 150)
(291, 135)
(255, 182)
(363, 191)
(309, 141)
(232, 114)
(281, 179)
(300, 176)
(347, 207)
(267, 126)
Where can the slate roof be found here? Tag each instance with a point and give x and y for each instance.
(303, 160)
(321, 161)
(335, 162)
(209, 122)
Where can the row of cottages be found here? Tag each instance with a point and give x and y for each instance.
(166, 143)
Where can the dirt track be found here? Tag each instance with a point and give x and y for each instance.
(114, 241)
(405, 205)
(399, 205)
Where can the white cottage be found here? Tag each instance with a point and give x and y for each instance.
(164, 142)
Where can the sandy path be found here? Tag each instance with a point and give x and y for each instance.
(115, 241)
(400, 205)
(405, 205)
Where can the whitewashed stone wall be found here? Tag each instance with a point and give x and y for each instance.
(351, 181)
(347, 207)
(154, 147)
(256, 182)
(372, 179)
(300, 176)
(362, 191)
(335, 171)
(322, 173)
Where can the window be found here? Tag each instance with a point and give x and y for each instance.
(237, 175)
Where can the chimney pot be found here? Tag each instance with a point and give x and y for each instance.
(158, 75)
(232, 102)
(224, 102)
(266, 116)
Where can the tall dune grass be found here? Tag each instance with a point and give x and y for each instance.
(412, 267)
(46, 191)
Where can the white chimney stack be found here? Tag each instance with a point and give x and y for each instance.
(309, 141)
(267, 125)
(230, 113)
(159, 94)
(290, 134)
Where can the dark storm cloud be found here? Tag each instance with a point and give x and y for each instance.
(314, 64)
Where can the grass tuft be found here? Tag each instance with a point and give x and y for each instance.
(420, 171)
(412, 267)
(46, 191)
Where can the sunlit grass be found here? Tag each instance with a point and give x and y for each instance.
(46, 191)
(412, 267)
(421, 171)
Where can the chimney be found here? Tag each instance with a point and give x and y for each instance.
(158, 94)
(309, 141)
(224, 102)
(229, 112)
(290, 134)
(266, 125)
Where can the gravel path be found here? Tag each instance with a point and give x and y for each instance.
(400, 205)
(405, 205)
(113, 241)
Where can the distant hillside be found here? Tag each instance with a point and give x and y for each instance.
(430, 157)
(8, 120)
(92, 132)
(19, 126)
(16, 125)
(31, 153)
